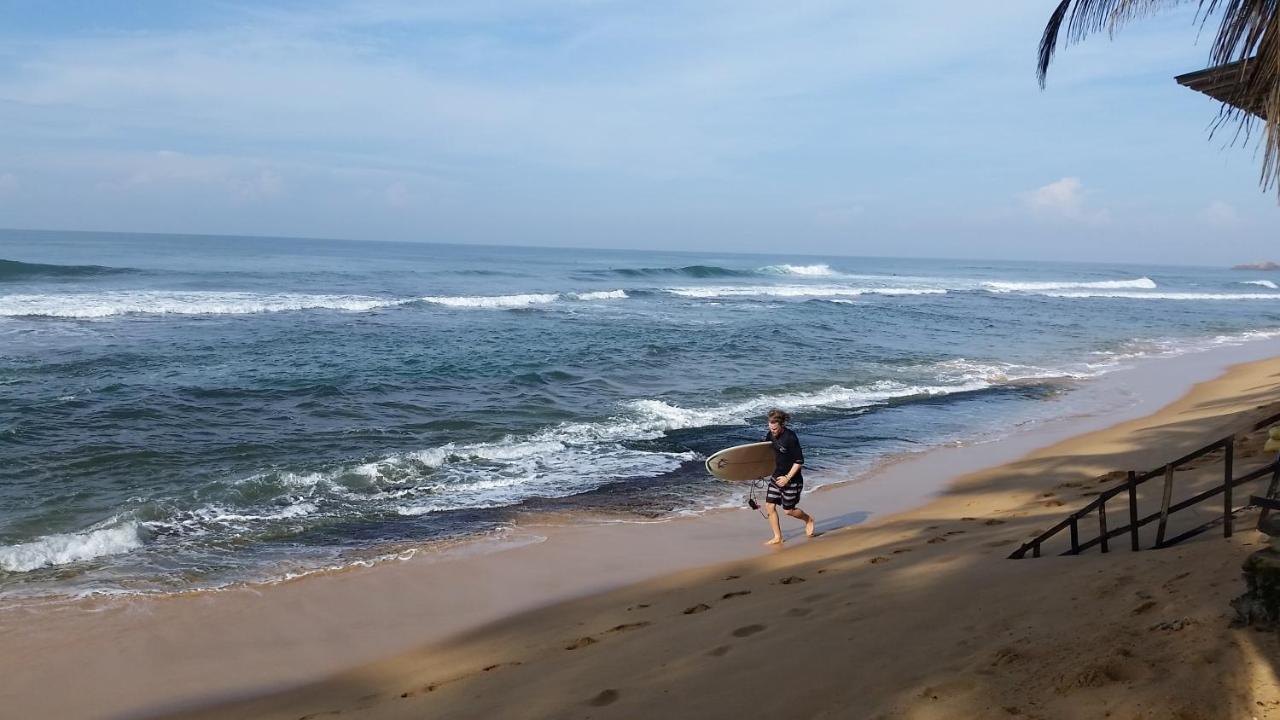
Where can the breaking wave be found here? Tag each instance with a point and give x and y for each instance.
(798, 291)
(64, 549)
(1142, 283)
(12, 270)
(108, 304)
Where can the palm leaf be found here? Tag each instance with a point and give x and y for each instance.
(1248, 33)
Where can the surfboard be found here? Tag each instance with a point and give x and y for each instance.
(742, 462)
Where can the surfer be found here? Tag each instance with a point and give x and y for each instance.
(787, 481)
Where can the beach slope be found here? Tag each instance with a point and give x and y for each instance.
(914, 615)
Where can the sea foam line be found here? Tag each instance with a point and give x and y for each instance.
(157, 302)
(815, 291)
(154, 302)
(1165, 295)
(522, 300)
(1142, 283)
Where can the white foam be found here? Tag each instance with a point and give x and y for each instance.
(1142, 283)
(1166, 296)
(810, 291)
(216, 514)
(63, 549)
(493, 301)
(600, 295)
(804, 270)
(1263, 283)
(159, 302)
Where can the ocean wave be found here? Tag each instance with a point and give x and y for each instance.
(506, 302)
(1263, 283)
(694, 271)
(599, 295)
(64, 549)
(1142, 283)
(156, 302)
(495, 301)
(109, 304)
(13, 270)
(571, 458)
(802, 270)
(805, 291)
(1165, 295)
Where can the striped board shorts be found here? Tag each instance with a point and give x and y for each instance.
(788, 497)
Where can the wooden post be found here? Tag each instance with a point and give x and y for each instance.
(1035, 550)
(1133, 511)
(1227, 459)
(1075, 537)
(1102, 524)
(1164, 504)
(1271, 490)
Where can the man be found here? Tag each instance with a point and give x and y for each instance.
(787, 482)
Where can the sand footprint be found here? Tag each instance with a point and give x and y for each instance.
(748, 630)
(798, 612)
(739, 593)
(791, 580)
(606, 697)
(581, 643)
(700, 607)
(630, 626)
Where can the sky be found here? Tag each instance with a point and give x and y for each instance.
(818, 127)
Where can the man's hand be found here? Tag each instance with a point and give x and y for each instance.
(781, 481)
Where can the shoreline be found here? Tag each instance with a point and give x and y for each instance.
(295, 628)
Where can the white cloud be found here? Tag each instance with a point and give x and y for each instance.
(167, 170)
(1220, 213)
(1065, 198)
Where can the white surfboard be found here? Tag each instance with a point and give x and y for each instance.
(742, 462)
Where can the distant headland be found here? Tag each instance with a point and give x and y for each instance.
(1263, 265)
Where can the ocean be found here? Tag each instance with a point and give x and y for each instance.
(190, 412)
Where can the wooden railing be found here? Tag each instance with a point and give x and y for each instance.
(1130, 486)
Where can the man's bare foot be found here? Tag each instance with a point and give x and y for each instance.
(775, 541)
(808, 528)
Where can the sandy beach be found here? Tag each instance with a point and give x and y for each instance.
(894, 612)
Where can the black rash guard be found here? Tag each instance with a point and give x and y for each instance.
(786, 452)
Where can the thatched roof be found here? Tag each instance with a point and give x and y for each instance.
(1227, 83)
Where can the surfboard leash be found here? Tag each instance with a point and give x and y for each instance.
(751, 496)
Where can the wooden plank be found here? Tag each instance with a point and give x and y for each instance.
(1075, 537)
(1164, 504)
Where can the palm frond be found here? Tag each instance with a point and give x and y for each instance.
(1249, 33)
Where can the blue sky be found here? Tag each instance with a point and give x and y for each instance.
(852, 128)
